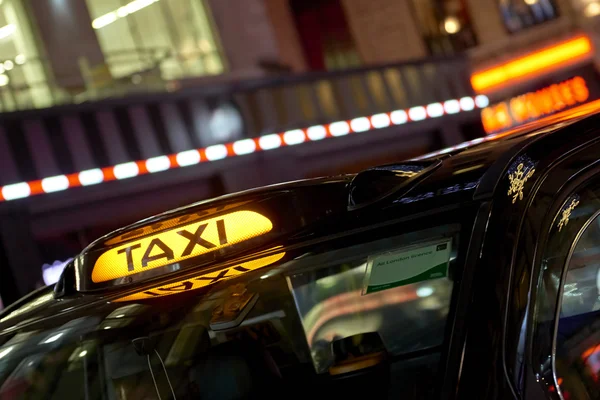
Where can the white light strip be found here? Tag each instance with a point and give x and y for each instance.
(216, 152)
(482, 101)
(187, 158)
(340, 128)
(435, 110)
(361, 124)
(158, 164)
(467, 104)
(269, 142)
(417, 113)
(380, 121)
(121, 12)
(244, 146)
(91, 177)
(16, 191)
(55, 183)
(399, 117)
(452, 107)
(316, 132)
(126, 170)
(293, 137)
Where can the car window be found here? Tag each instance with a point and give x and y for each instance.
(578, 334)
(363, 311)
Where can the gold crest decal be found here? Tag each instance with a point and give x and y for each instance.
(566, 213)
(518, 178)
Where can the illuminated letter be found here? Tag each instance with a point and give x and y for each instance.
(166, 252)
(195, 239)
(580, 89)
(518, 109)
(488, 119)
(558, 103)
(128, 255)
(530, 102)
(544, 101)
(503, 116)
(566, 93)
(221, 230)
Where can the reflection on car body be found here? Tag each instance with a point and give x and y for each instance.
(471, 273)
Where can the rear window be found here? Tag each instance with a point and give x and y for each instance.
(369, 310)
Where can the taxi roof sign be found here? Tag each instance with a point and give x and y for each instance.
(198, 237)
(178, 244)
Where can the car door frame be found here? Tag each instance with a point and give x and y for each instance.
(535, 379)
(487, 367)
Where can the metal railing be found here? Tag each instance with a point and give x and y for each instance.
(278, 103)
(122, 121)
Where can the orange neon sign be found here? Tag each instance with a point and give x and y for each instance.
(532, 64)
(534, 105)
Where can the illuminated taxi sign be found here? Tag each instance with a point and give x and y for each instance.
(534, 105)
(203, 280)
(178, 244)
(165, 224)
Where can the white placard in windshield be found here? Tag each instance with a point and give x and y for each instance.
(407, 266)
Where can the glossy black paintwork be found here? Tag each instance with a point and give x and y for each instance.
(513, 236)
(490, 348)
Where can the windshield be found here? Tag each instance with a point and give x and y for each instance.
(369, 310)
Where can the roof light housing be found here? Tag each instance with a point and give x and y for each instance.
(201, 236)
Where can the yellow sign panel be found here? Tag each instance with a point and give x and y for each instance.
(178, 244)
(165, 224)
(200, 281)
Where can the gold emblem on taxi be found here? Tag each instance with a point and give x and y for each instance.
(566, 213)
(203, 280)
(178, 244)
(518, 178)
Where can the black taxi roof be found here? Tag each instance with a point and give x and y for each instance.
(464, 173)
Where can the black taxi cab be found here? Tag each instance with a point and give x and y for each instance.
(470, 273)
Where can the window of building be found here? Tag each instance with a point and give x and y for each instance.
(522, 14)
(168, 39)
(23, 79)
(325, 34)
(445, 25)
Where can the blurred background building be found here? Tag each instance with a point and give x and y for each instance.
(113, 110)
